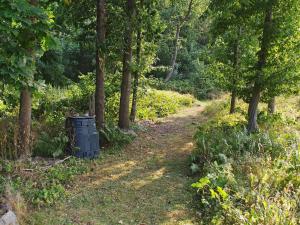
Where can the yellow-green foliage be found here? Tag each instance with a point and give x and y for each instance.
(2, 106)
(152, 104)
(155, 104)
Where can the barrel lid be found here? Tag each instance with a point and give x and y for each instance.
(81, 117)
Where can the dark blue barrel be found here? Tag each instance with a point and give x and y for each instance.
(83, 137)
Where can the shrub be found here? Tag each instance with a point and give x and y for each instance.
(115, 138)
(8, 140)
(152, 104)
(250, 191)
(228, 137)
(156, 104)
(47, 146)
(247, 178)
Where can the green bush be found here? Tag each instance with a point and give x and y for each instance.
(47, 146)
(8, 138)
(152, 104)
(43, 185)
(247, 178)
(228, 136)
(251, 191)
(156, 104)
(114, 137)
(196, 85)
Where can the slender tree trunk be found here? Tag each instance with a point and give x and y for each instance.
(137, 72)
(178, 28)
(100, 64)
(24, 123)
(92, 105)
(233, 102)
(271, 106)
(262, 58)
(174, 57)
(236, 65)
(126, 76)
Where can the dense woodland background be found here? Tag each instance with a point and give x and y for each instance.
(134, 60)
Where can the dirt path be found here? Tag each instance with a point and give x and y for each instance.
(145, 184)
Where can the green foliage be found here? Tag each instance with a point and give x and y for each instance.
(228, 136)
(197, 84)
(48, 146)
(24, 32)
(252, 191)
(156, 104)
(44, 185)
(115, 138)
(8, 133)
(247, 178)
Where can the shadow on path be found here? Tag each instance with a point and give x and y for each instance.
(145, 184)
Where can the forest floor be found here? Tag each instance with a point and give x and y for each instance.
(148, 183)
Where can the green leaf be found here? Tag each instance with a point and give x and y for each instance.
(201, 183)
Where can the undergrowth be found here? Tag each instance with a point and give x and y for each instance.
(52, 105)
(39, 183)
(247, 178)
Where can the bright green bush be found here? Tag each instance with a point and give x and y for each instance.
(2, 107)
(152, 104)
(156, 104)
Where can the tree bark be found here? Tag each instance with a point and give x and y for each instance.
(24, 123)
(178, 28)
(271, 106)
(100, 64)
(174, 57)
(236, 65)
(252, 110)
(126, 76)
(24, 134)
(92, 105)
(137, 72)
(233, 102)
(262, 58)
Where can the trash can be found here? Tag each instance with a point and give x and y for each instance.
(83, 137)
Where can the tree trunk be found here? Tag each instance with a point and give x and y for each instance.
(271, 106)
(24, 124)
(233, 102)
(100, 64)
(178, 28)
(262, 58)
(24, 134)
(174, 57)
(137, 72)
(92, 105)
(252, 110)
(236, 65)
(126, 76)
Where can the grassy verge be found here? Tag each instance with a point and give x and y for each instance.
(248, 179)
